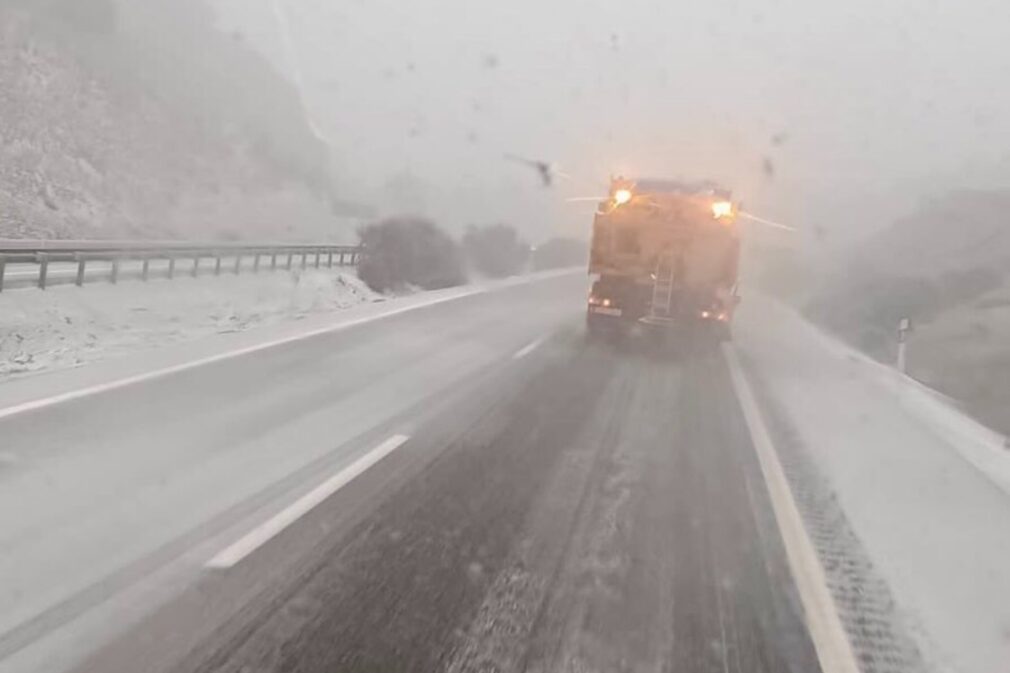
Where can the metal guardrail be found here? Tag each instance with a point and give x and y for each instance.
(21, 254)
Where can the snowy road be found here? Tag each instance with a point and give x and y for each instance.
(469, 486)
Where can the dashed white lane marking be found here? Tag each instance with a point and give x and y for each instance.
(830, 641)
(257, 537)
(527, 349)
(193, 364)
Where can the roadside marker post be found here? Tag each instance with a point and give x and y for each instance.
(904, 327)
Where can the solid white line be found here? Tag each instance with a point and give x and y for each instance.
(175, 369)
(257, 537)
(527, 349)
(832, 645)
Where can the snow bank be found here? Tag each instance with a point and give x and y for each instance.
(67, 326)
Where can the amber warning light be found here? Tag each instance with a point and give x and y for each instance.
(722, 209)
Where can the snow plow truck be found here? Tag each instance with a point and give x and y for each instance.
(664, 256)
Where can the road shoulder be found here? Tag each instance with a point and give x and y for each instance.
(22, 394)
(893, 507)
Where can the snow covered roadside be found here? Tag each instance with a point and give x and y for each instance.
(66, 326)
(921, 486)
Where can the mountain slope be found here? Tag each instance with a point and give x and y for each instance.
(144, 121)
(948, 252)
(947, 267)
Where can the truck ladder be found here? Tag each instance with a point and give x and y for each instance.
(662, 287)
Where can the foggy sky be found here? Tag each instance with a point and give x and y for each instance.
(874, 104)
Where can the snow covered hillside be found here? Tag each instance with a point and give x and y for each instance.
(144, 121)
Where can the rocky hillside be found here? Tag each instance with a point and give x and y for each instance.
(138, 119)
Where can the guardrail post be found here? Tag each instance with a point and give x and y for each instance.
(329, 259)
(196, 266)
(217, 264)
(238, 263)
(290, 255)
(341, 262)
(43, 269)
(145, 268)
(80, 270)
(273, 261)
(3, 270)
(171, 267)
(317, 258)
(256, 262)
(114, 272)
(304, 256)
